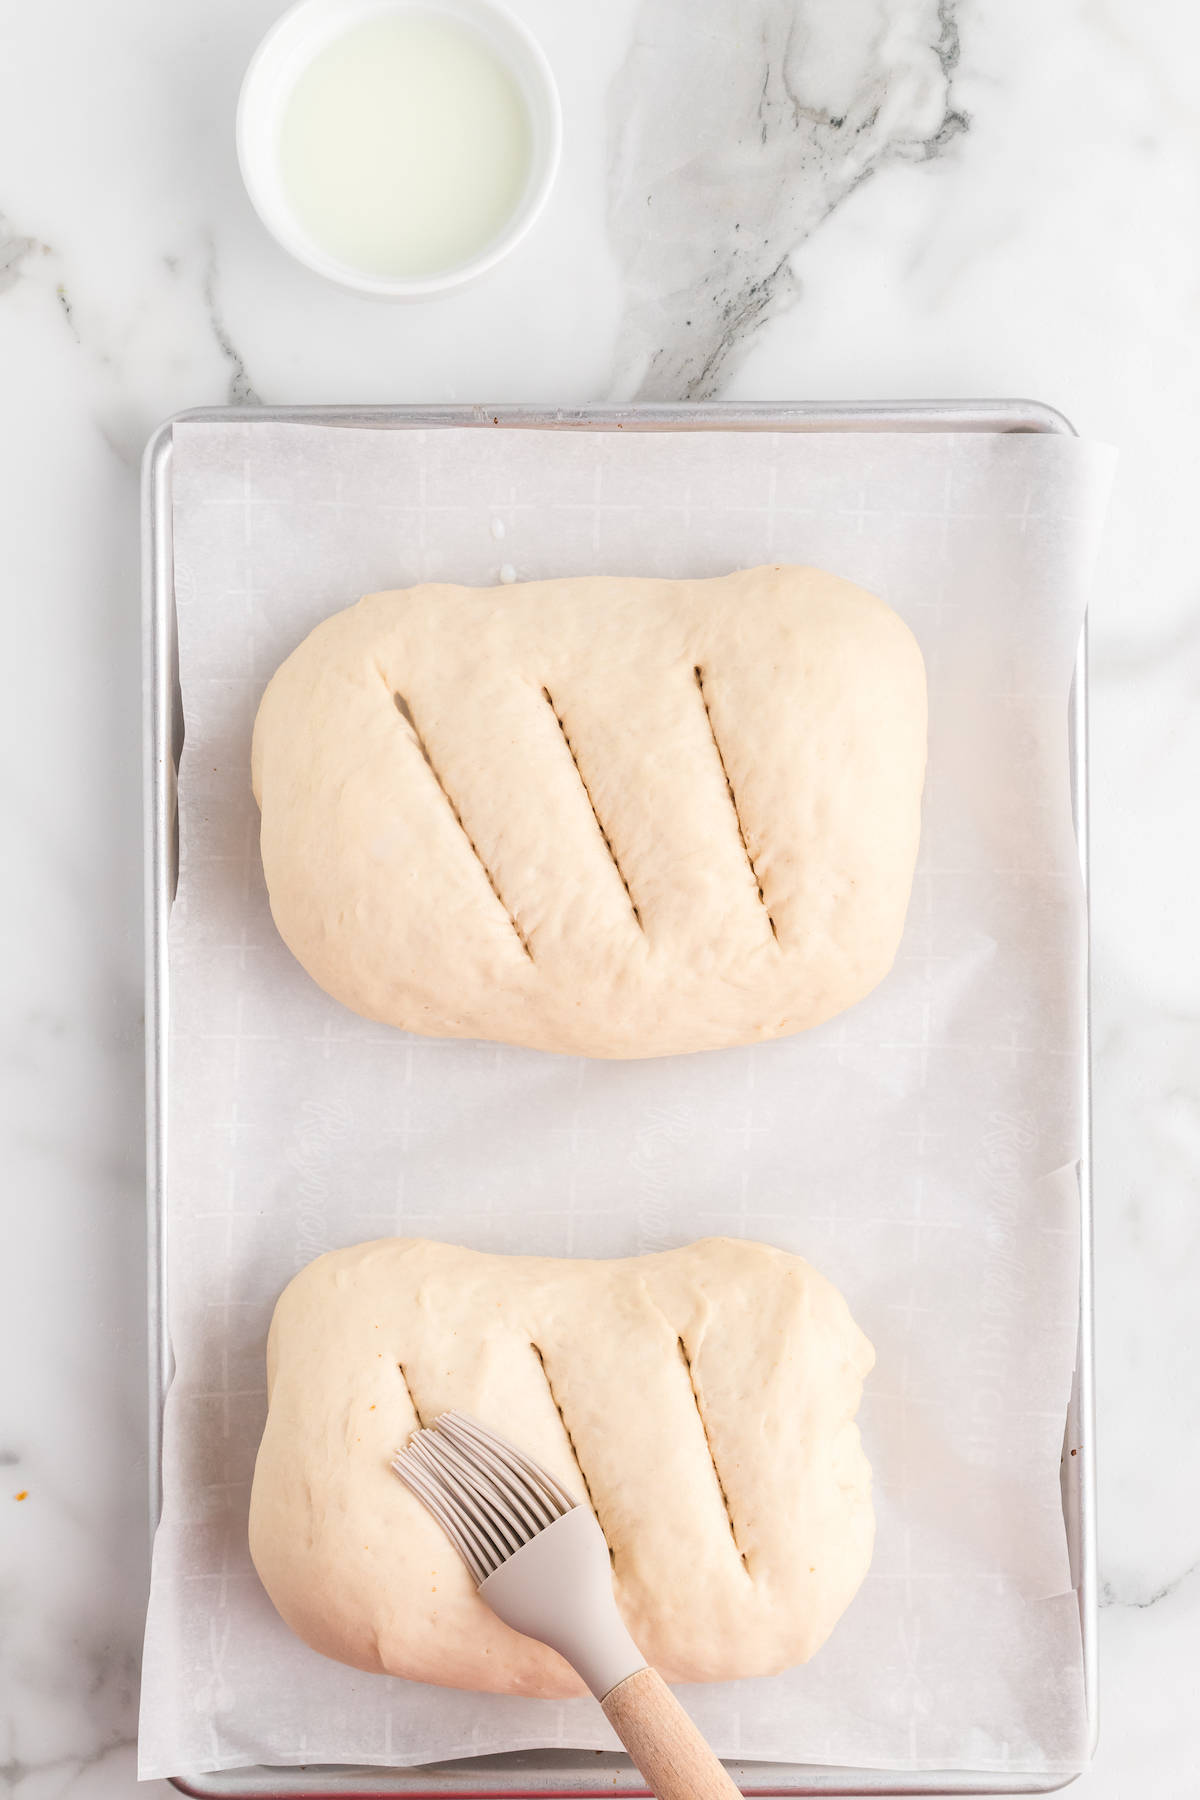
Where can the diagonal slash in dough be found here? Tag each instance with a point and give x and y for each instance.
(687, 1363)
(571, 1443)
(699, 674)
(588, 792)
(411, 1396)
(405, 711)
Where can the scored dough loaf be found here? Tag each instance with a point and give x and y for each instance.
(700, 1400)
(608, 816)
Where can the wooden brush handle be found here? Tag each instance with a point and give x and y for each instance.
(668, 1750)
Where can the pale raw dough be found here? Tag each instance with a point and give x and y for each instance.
(701, 1401)
(609, 816)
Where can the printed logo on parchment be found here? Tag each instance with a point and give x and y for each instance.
(1006, 1146)
(656, 1152)
(315, 1159)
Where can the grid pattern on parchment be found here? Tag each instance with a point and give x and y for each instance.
(909, 1148)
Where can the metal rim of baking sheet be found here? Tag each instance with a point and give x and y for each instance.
(572, 1775)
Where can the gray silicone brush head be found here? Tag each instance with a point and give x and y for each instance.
(538, 1558)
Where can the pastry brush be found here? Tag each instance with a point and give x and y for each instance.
(540, 1561)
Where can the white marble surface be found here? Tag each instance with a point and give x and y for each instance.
(993, 197)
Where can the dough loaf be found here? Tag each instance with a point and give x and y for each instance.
(701, 1401)
(607, 816)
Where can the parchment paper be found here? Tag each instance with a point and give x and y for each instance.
(919, 1149)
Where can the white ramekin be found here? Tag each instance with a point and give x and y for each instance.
(286, 51)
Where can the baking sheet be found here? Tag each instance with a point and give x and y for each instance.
(909, 1148)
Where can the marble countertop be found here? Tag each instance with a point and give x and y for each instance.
(917, 197)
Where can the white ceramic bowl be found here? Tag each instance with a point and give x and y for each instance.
(287, 50)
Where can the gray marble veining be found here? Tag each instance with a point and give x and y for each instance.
(13, 251)
(738, 129)
(241, 391)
